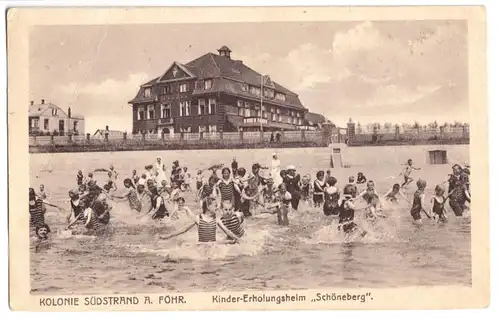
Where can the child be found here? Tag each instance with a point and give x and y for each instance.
(282, 205)
(232, 220)
(37, 214)
(186, 185)
(199, 180)
(90, 178)
(418, 199)
(346, 218)
(158, 210)
(372, 198)
(79, 178)
(227, 187)
(91, 222)
(319, 189)
(332, 196)
(361, 178)
(351, 188)
(438, 200)
(130, 194)
(76, 206)
(305, 188)
(144, 197)
(250, 193)
(207, 224)
(238, 187)
(135, 177)
(406, 173)
(41, 238)
(391, 195)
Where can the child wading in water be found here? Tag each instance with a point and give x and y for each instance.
(281, 205)
(130, 194)
(391, 195)
(438, 200)
(418, 200)
(232, 220)
(207, 224)
(406, 173)
(372, 198)
(332, 196)
(346, 218)
(319, 189)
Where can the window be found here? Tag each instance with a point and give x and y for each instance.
(186, 129)
(293, 114)
(166, 90)
(247, 112)
(289, 120)
(280, 96)
(183, 88)
(244, 87)
(264, 114)
(280, 119)
(165, 111)
(273, 117)
(300, 121)
(140, 113)
(54, 111)
(273, 110)
(298, 115)
(151, 112)
(147, 92)
(269, 93)
(239, 103)
(255, 90)
(208, 84)
(294, 120)
(211, 106)
(247, 105)
(34, 122)
(46, 124)
(212, 128)
(201, 106)
(259, 113)
(241, 111)
(185, 105)
(202, 128)
(278, 111)
(75, 125)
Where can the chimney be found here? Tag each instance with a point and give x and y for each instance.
(32, 103)
(43, 101)
(69, 112)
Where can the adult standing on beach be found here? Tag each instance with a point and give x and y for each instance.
(275, 170)
(234, 166)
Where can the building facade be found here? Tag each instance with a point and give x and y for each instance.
(214, 93)
(47, 118)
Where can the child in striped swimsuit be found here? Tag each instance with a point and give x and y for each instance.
(207, 224)
(131, 195)
(227, 186)
(231, 219)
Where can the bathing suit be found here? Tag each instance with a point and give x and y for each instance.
(100, 208)
(79, 179)
(37, 217)
(206, 230)
(346, 218)
(227, 190)
(77, 208)
(361, 179)
(162, 210)
(438, 208)
(318, 194)
(417, 205)
(93, 223)
(233, 224)
(330, 206)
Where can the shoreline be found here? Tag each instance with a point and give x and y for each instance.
(119, 147)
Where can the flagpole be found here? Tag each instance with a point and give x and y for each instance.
(261, 98)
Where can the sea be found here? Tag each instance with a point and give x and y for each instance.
(308, 254)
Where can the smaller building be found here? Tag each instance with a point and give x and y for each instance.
(313, 121)
(47, 118)
(100, 134)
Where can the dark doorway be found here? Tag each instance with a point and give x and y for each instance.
(166, 131)
(61, 127)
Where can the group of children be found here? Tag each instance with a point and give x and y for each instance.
(226, 199)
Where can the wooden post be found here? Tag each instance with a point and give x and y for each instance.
(88, 137)
(241, 136)
(261, 136)
(52, 139)
(303, 135)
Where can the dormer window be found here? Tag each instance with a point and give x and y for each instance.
(147, 92)
(54, 111)
(208, 84)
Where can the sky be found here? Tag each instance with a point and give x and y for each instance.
(365, 70)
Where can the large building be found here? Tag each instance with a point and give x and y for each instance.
(47, 118)
(214, 93)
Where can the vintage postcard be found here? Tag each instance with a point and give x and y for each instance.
(248, 158)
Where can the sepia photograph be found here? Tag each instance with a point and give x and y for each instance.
(248, 157)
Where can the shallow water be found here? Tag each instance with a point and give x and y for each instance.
(308, 254)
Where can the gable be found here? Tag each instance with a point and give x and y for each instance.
(267, 81)
(175, 71)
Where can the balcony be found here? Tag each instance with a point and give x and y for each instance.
(165, 121)
(254, 120)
